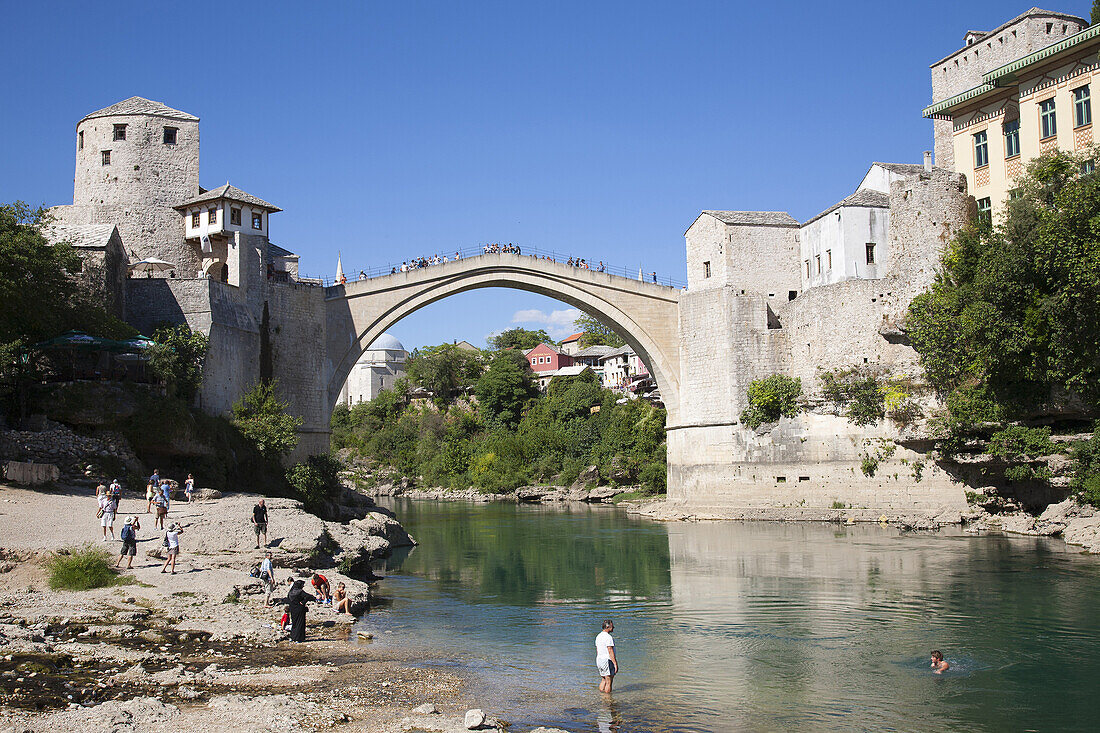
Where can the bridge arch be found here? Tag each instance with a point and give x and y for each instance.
(646, 315)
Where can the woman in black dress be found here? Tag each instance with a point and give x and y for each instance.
(296, 599)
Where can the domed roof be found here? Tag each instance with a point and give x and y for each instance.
(387, 342)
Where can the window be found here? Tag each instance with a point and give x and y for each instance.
(981, 150)
(1047, 122)
(106, 157)
(985, 210)
(706, 269)
(817, 259)
(196, 219)
(1088, 167)
(1014, 194)
(234, 216)
(870, 253)
(120, 132)
(170, 135)
(807, 268)
(828, 259)
(80, 140)
(212, 216)
(1012, 138)
(1082, 107)
(257, 220)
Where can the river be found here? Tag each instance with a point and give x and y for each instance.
(744, 626)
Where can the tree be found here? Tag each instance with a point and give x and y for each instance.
(1095, 12)
(41, 296)
(1012, 322)
(521, 339)
(506, 387)
(177, 357)
(445, 370)
(596, 333)
(262, 418)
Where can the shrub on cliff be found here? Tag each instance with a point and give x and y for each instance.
(772, 398)
(81, 568)
(315, 480)
(262, 418)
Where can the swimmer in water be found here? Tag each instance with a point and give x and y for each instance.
(939, 666)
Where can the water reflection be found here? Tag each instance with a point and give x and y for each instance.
(746, 626)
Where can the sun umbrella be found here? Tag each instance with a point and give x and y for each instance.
(151, 264)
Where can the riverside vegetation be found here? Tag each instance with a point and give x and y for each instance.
(488, 427)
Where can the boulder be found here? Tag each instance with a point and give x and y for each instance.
(474, 719)
(532, 493)
(603, 493)
(206, 494)
(589, 475)
(426, 709)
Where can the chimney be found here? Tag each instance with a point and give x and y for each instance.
(928, 161)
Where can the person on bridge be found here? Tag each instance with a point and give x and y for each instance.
(655, 277)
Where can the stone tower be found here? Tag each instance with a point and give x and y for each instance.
(135, 161)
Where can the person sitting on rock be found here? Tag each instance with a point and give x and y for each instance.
(321, 586)
(341, 600)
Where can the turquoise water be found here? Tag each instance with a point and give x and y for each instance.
(755, 626)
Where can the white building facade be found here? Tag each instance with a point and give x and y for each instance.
(380, 366)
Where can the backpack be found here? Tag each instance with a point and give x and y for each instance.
(127, 533)
(254, 572)
(166, 539)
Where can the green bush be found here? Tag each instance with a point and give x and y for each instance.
(1086, 469)
(177, 357)
(81, 568)
(1017, 443)
(315, 480)
(771, 398)
(262, 417)
(858, 391)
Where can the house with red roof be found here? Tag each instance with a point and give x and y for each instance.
(545, 358)
(572, 344)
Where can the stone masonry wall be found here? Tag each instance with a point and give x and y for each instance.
(139, 187)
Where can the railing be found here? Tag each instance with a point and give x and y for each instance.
(353, 274)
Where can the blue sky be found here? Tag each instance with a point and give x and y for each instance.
(388, 130)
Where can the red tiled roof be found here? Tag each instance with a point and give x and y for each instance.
(574, 337)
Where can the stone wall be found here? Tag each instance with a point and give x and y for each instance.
(138, 189)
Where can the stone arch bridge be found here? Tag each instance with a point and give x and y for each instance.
(646, 315)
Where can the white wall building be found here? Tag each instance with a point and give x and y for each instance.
(849, 240)
(382, 364)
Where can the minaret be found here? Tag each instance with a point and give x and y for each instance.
(339, 268)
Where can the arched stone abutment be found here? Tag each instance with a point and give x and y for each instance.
(644, 314)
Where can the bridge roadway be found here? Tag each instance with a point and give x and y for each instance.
(645, 314)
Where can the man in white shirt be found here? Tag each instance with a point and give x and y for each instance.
(606, 663)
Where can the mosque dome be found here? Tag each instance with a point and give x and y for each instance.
(386, 342)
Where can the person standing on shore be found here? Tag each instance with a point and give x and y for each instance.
(149, 491)
(296, 600)
(129, 542)
(172, 546)
(259, 522)
(161, 505)
(267, 576)
(107, 520)
(606, 663)
(189, 487)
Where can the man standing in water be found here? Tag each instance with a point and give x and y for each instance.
(939, 664)
(605, 656)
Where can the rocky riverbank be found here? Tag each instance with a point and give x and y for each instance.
(1077, 524)
(198, 650)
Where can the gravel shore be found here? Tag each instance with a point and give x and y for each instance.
(197, 651)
